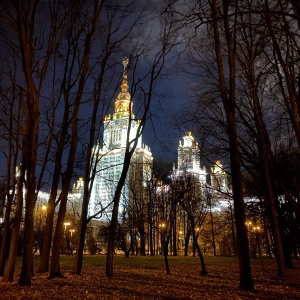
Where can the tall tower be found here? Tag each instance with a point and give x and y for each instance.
(189, 159)
(111, 155)
(218, 177)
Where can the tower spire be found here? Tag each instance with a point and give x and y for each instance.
(122, 104)
(125, 63)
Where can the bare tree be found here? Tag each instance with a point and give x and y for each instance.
(220, 18)
(116, 30)
(247, 58)
(146, 94)
(82, 79)
(23, 16)
(11, 111)
(189, 194)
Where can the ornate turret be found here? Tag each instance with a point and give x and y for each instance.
(188, 153)
(122, 104)
(188, 140)
(218, 176)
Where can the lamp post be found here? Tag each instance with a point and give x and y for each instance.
(248, 224)
(180, 239)
(165, 246)
(66, 224)
(256, 229)
(69, 245)
(162, 228)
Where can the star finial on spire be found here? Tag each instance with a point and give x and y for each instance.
(125, 63)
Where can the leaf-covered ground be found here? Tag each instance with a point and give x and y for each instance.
(145, 278)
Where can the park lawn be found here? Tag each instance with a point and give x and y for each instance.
(140, 277)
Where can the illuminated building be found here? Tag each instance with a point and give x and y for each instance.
(110, 155)
(189, 160)
(78, 186)
(218, 177)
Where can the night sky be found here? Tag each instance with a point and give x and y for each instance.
(160, 133)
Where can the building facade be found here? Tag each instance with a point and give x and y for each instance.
(110, 156)
(189, 160)
(218, 177)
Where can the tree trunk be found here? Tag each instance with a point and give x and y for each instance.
(233, 231)
(212, 230)
(115, 212)
(228, 99)
(195, 238)
(48, 231)
(59, 230)
(174, 231)
(81, 236)
(203, 271)
(246, 282)
(5, 234)
(30, 146)
(151, 245)
(27, 262)
(46, 247)
(165, 251)
(265, 154)
(132, 241)
(186, 241)
(143, 242)
(10, 191)
(55, 269)
(11, 263)
(47, 234)
(266, 230)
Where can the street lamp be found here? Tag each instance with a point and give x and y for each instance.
(66, 224)
(71, 249)
(197, 229)
(162, 231)
(180, 240)
(248, 224)
(256, 229)
(162, 225)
